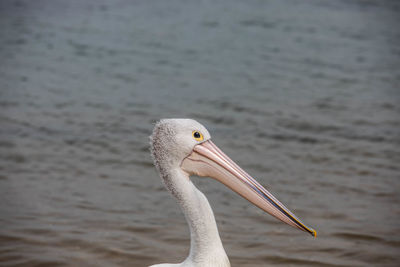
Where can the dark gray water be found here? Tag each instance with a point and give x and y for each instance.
(304, 95)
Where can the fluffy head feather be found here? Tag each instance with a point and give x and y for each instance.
(172, 141)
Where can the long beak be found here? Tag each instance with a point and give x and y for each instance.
(208, 160)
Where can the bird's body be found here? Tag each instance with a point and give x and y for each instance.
(182, 147)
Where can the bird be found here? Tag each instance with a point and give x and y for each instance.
(181, 148)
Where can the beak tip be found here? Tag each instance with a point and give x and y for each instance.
(314, 233)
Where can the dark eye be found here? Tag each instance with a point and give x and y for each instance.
(197, 135)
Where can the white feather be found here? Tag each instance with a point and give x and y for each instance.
(171, 142)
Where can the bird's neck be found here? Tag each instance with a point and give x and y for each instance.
(206, 246)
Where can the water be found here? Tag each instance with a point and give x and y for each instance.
(303, 95)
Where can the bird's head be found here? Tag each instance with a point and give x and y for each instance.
(174, 139)
(186, 145)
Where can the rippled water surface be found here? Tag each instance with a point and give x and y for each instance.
(304, 95)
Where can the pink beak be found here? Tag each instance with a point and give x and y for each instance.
(207, 159)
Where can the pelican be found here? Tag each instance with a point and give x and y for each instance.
(183, 147)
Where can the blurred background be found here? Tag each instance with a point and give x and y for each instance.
(304, 95)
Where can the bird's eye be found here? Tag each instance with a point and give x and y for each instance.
(197, 135)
